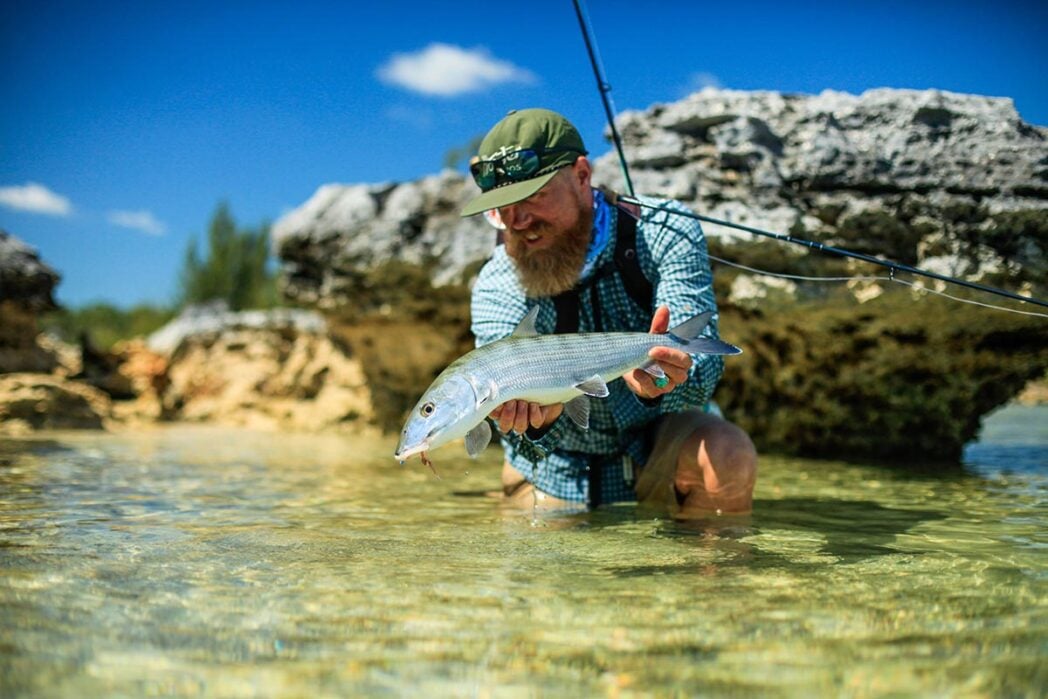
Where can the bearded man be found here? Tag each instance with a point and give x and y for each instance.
(592, 266)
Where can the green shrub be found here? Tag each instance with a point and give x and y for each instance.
(104, 324)
(234, 268)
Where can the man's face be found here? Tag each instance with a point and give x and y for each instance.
(548, 233)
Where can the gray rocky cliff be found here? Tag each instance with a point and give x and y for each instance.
(957, 184)
(327, 245)
(948, 169)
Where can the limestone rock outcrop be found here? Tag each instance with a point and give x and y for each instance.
(277, 369)
(957, 184)
(328, 245)
(31, 402)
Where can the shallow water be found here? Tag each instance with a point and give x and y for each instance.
(194, 562)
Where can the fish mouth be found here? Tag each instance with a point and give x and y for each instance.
(403, 454)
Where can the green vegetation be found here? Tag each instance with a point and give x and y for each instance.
(104, 324)
(880, 233)
(234, 268)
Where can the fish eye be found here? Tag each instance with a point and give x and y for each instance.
(427, 409)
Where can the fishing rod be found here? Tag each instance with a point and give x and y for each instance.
(605, 89)
(893, 267)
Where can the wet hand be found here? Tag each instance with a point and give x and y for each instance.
(675, 363)
(518, 415)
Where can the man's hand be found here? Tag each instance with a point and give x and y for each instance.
(518, 415)
(674, 362)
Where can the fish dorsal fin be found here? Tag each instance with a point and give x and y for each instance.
(526, 327)
(477, 438)
(593, 386)
(578, 409)
(692, 326)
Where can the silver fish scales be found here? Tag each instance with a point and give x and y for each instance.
(544, 369)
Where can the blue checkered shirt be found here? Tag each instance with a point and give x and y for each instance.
(672, 254)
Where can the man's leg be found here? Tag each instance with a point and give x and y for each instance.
(701, 464)
(519, 493)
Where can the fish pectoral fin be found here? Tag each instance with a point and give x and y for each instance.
(652, 367)
(593, 386)
(578, 409)
(526, 327)
(484, 392)
(478, 438)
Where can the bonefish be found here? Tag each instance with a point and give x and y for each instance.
(543, 369)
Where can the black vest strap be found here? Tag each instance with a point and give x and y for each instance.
(627, 263)
(567, 307)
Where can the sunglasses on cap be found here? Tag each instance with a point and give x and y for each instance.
(515, 166)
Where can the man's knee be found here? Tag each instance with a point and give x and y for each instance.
(731, 453)
(718, 464)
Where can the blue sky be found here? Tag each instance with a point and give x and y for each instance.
(124, 124)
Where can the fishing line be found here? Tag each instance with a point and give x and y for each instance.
(971, 301)
(799, 277)
(893, 267)
(873, 278)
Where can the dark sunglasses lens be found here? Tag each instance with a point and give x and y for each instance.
(483, 173)
(520, 164)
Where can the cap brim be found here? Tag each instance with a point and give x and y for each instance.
(507, 194)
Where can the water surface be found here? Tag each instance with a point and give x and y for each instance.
(193, 562)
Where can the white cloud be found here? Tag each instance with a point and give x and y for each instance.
(143, 221)
(35, 198)
(445, 70)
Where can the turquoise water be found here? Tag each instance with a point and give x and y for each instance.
(206, 562)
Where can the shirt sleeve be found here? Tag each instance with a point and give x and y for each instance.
(497, 303)
(684, 283)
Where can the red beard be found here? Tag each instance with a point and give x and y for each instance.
(554, 269)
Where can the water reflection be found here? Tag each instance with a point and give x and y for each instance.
(850, 530)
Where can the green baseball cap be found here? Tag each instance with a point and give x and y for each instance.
(520, 155)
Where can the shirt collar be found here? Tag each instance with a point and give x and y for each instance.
(601, 233)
